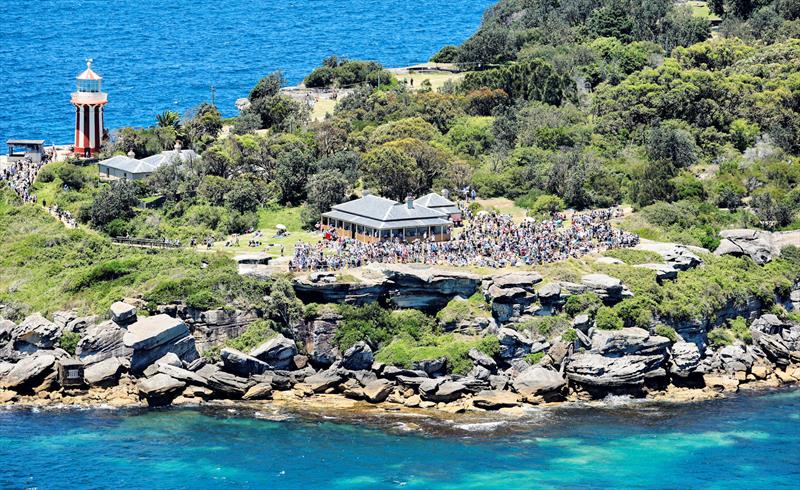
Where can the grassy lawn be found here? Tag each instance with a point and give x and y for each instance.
(53, 192)
(322, 108)
(504, 206)
(437, 78)
(701, 9)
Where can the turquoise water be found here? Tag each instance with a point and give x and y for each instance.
(156, 55)
(745, 442)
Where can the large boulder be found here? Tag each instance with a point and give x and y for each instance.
(28, 372)
(240, 364)
(685, 359)
(223, 383)
(769, 324)
(432, 367)
(598, 370)
(756, 244)
(278, 352)
(617, 343)
(323, 380)
(34, 333)
(513, 344)
(495, 399)
(426, 288)
(153, 337)
(732, 359)
(102, 341)
(358, 357)
(664, 272)
(442, 390)
(378, 390)
(609, 289)
(160, 389)
(104, 373)
(122, 313)
(318, 339)
(538, 381)
(177, 372)
(479, 358)
(774, 347)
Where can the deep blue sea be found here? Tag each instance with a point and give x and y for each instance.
(166, 54)
(751, 441)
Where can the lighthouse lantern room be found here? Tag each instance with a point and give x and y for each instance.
(89, 100)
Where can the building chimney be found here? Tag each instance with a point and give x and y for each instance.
(410, 201)
(178, 146)
(445, 193)
(131, 154)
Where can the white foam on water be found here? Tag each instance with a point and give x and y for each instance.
(482, 426)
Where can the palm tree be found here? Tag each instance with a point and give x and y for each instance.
(168, 119)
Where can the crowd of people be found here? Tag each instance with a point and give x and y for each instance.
(20, 176)
(62, 214)
(488, 240)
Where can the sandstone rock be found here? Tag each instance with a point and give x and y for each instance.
(7, 396)
(225, 384)
(609, 289)
(480, 373)
(549, 293)
(426, 288)
(432, 367)
(35, 332)
(153, 337)
(358, 357)
(495, 400)
(513, 344)
(524, 280)
(582, 323)
(378, 390)
(278, 352)
(28, 372)
(160, 389)
(181, 374)
(732, 358)
(538, 381)
(392, 372)
(685, 358)
(498, 381)
(102, 341)
(442, 392)
(608, 261)
(122, 313)
(240, 364)
(481, 359)
(597, 370)
(760, 371)
(616, 343)
(323, 380)
(558, 352)
(721, 383)
(756, 244)
(260, 391)
(774, 347)
(784, 377)
(318, 339)
(103, 373)
(300, 361)
(769, 324)
(412, 401)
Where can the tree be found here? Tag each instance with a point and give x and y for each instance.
(269, 86)
(392, 172)
(112, 202)
(346, 162)
(247, 122)
(672, 145)
(169, 119)
(291, 174)
(202, 127)
(326, 189)
(743, 133)
(72, 176)
(244, 195)
(283, 307)
(214, 189)
(651, 182)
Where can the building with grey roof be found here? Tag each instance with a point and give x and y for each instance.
(441, 203)
(373, 218)
(129, 168)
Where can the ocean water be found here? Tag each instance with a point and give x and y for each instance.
(751, 441)
(156, 55)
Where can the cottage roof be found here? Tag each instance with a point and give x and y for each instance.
(128, 164)
(437, 202)
(160, 159)
(381, 213)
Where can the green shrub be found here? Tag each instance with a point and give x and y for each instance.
(548, 326)
(458, 310)
(369, 323)
(720, 337)
(548, 204)
(405, 351)
(534, 358)
(582, 303)
(254, 335)
(69, 342)
(740, 330)
(570, 335)
(636, 311)
(201, 300)
(410, 322)
(666, 331)
(607, 319)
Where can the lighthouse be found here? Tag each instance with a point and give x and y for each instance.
(89, 101)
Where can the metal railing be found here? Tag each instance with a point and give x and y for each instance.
(145, 242)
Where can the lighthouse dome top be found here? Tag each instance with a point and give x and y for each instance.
(88, 73)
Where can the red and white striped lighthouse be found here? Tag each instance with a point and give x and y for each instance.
(89, 101)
